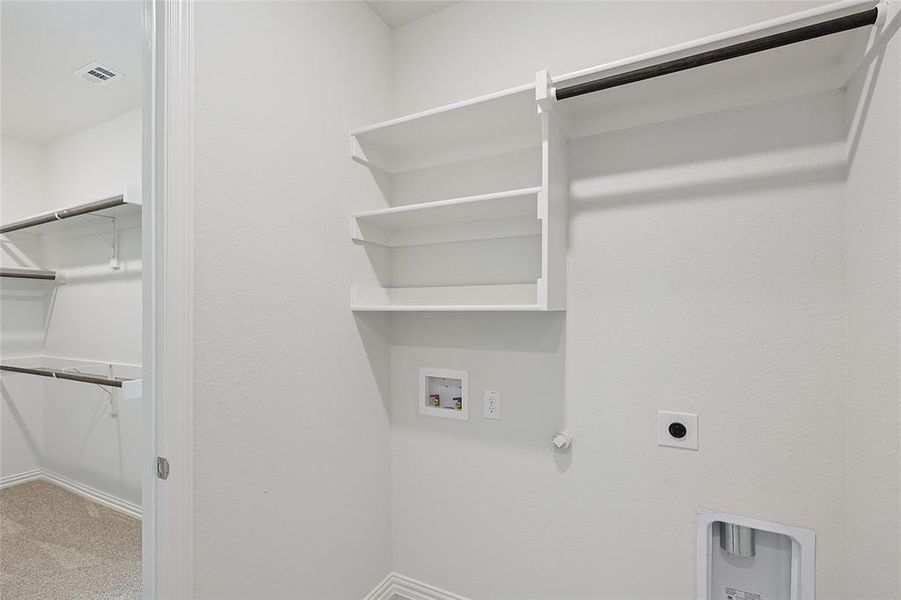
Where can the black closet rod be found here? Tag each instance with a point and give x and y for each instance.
(792, 36)
(27, 274)
(66, 213)
(57, 374)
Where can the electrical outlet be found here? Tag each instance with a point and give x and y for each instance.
(492, 405)
(677, 430)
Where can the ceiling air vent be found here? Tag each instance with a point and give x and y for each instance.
(98, 74)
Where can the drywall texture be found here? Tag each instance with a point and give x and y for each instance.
(707, 272)
(873, 387)
(21, 311)
(434, 57)
(22, 183)
(92, 321)
(96, 316)
(21, 194)
(291, 433)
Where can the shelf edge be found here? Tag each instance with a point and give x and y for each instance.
(425, 206)
(362, 131)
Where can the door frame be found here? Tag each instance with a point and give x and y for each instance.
(168, 351)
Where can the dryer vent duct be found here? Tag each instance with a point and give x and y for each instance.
(737, 540)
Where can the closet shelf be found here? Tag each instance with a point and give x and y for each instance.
(624, 98)
(28, 274)
(502, 214)
(457, 298)
(127, 203)
(482, 126)
(131, 388)
(810, 52)
(797, 69)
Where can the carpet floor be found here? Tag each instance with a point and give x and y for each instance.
(56, 544)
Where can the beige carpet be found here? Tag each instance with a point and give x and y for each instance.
(56, 544)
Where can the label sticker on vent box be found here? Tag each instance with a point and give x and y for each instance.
(737, 594)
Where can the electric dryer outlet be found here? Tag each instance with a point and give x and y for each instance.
(677, 429)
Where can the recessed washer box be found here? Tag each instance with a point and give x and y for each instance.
(443, 393)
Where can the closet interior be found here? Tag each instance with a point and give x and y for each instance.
(686, 212)
(535, 299)
(71, 300)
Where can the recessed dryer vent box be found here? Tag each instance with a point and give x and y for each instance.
(443, 393)
(740, 558)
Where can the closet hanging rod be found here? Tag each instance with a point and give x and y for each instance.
(28, 274)
(66, 213)
(777, 40)
(57, 374)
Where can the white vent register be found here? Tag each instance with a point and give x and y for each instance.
(98, 74)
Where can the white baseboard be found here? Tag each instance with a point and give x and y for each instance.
(96, 495)
(129, 508)
(11, 480)
(398, 587)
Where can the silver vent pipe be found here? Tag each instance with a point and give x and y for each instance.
(737, 540)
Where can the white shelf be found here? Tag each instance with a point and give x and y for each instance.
(80, 219)
(421, 147)
(131, 388)
(814, 66)
(470, 272)
(800, 69)
(483, 126)
(471, 298)
(502, 214)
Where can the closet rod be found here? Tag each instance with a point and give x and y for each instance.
(66, 213)
(28, 274)
(792, 36)
(55, 374)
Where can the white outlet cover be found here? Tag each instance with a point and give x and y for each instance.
(495, 397)
(664, 438)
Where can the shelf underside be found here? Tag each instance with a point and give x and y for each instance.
(503, 297)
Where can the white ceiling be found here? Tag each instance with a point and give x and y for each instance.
(43, 42)
(400, 12)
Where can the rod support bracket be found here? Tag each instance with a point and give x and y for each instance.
(544, 91)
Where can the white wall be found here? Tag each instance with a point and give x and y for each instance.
(22, 183)
(94, 318)
(22, 194)
(477, 47)
(21, 425)
(872, 242)
(725, 296)
(97, 315)
(291, 433)
(21, 311)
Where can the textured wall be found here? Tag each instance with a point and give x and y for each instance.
(291, 432)
(21, 311)
(725, 295)
(874, 295)
(96, 315)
